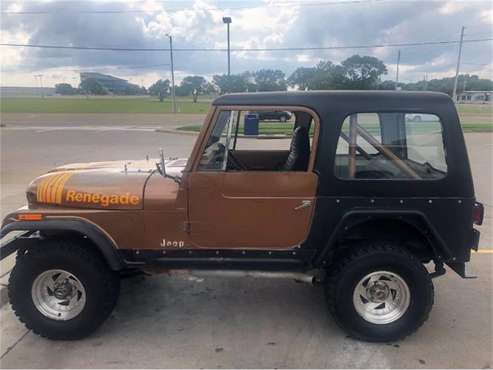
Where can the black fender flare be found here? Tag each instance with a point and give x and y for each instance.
(94, 233)
(356, 217)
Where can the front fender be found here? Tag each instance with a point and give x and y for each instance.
(94, 233)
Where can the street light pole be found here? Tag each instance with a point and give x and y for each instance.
(229, 53)
(454, 95)
(173, 94)
(397, 69)
(227, 21)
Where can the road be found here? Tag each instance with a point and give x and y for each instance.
(163, 322)
(181, 323)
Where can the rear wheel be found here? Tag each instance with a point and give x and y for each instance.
(62, 290)
(379, 293)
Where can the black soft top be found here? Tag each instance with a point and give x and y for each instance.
(340, 99)
(333, 107)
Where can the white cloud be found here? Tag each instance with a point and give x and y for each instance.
(452, 7)
(256, 24)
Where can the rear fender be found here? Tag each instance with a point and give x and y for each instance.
(413, 219)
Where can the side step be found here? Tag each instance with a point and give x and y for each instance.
(309, 278)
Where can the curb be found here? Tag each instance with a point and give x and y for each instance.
(176, 132)
(195, 133)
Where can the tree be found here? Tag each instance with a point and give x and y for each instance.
(160, 88)
(446, 84)
(356, 72)
(249, 78)
(191, 83)
(329, 76)
(270, 80)
(230, 84)
(478, 84)
(325, 76)
(65, 89)
(132, 89)
(303, 78)
(363, 72)
(386, 85)
(91, 86)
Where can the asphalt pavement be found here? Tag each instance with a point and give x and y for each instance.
(164, 321)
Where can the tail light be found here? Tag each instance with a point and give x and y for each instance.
(477, 213)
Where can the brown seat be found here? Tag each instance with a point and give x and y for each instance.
(299, 152)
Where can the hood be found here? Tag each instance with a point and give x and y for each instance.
(174, 166)
(97, 185)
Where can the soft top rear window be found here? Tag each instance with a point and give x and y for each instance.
(391, 146)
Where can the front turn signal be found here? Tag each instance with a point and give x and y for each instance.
(29, 216)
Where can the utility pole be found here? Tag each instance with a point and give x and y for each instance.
(41, 84)
(36, 80)
(227, 21)
(454, 95)
(173, 94)
(397, 68)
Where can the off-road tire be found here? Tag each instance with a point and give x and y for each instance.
(348, 270)
(101, 286)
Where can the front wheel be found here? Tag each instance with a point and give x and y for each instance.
(62, 289)
(379, 293)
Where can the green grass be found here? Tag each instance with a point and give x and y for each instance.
(99, 105)
(480, 109)
(477, 127)
(286, 129)
(264, 129)
(471, 114)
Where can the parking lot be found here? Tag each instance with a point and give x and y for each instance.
(175, 322)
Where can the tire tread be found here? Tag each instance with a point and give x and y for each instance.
(339, 266)
(110, 283)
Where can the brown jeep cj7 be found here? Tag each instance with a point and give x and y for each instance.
(358, 196)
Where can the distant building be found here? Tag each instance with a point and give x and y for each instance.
(114, 85)
(474, 97)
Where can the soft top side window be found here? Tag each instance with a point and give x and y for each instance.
(391, 146)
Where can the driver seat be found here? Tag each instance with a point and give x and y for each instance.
(299, 152)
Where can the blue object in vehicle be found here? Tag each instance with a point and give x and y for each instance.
(251, 124)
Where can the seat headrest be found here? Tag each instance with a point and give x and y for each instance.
(299, 152)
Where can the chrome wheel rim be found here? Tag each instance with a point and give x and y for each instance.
(381, 297)
(58, 295)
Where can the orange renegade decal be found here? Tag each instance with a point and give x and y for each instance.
(51, 188)
(103, 200)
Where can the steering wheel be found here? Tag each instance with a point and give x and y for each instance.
(218, 152)
(235, 163)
